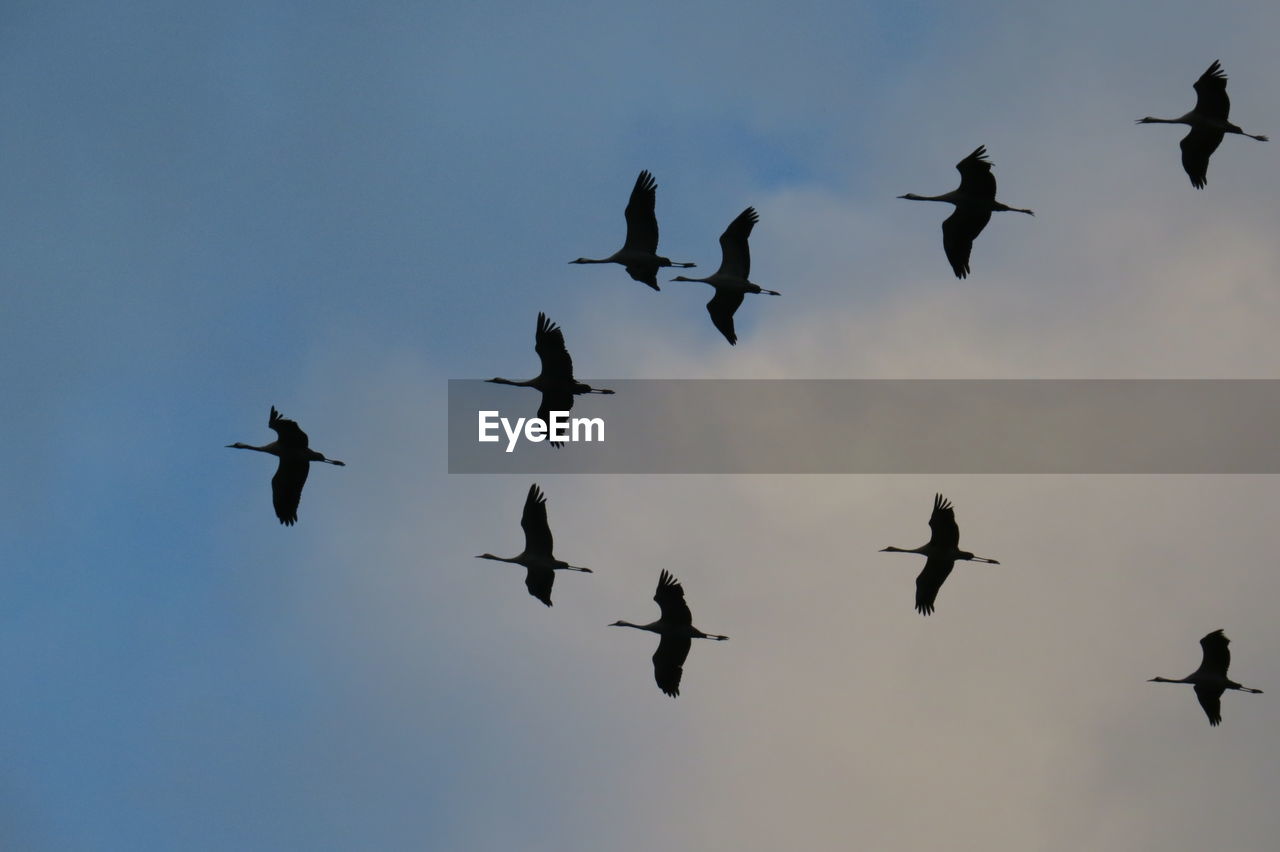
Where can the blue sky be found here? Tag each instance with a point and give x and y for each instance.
(334, 208)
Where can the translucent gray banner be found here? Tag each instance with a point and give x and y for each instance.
(884, 426)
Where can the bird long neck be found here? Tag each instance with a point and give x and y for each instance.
(514, 560)
(593, 260)
(892, 549)
(526, 383)
(948, 197)
(653, 628)
(698, 280)
(1168, 680)
(265, 448)
(1151, 120)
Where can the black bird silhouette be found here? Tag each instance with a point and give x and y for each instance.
(1208, 123)
(537, 557)
(675, 626)
(639, 254)
(556, 381)
(730, 280)
(941, 552)
(295, 457)
(975, 201)
(1211, 679)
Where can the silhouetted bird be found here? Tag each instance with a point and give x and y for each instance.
(556, 380)
(677, 632)
(730, 280)
(639, 253)
(941, 552)
(975, 200)
(295, 462)
(1208, 123)
(1210, 680)
(537, 557)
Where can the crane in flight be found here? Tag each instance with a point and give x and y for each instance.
(675, 626)
(1208, 123)
(537, 557)
(639, 253)
(730, 280)
(1210, 680)
(295, 457)
(975, 201)
(941, 553)
(556, 381)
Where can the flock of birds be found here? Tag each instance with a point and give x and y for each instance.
(974, 201)
(639, 256)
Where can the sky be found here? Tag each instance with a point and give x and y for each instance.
(335, 208)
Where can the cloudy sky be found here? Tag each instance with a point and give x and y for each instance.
(334, 208)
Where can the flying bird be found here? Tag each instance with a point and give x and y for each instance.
(537, 557)
(639, 254)
(556, 381)
(975, 200)
(941, 552)
(730, 280)
(295, 457)
(677, 632)
(1208, 123)
(1210, 680)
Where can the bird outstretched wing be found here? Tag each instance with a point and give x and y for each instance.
(735, 252)
(668, 663)
(539, 581)
(722, 307)
(537, 532)
(642, 224)
(1211, 700)
(935, 573)
(287, 431)
(557, 366)
(554, 399)
(1197, 147)
(670, 599)
(286, 486)
(645, 275)
(946, 534)
(1211, 93)
(976, 178)
(959, 230)
(1217, 656)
